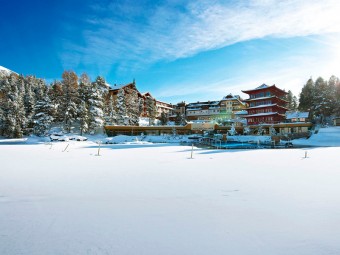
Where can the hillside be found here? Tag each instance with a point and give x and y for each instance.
(5, 71)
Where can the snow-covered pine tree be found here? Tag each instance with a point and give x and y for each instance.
(56, 93)
(12, 110)
(319, 97)
(164, 119)
(132, 107)
(151, 109)
(97, 95)
(4, 88)
(334, 83)
(232, 130)
(10, 125)
(272, 131)
(140, 106)
(110, 113)
(292, 101)
(84, 87)
(84, 91)
(121, 108)
(42, 118)
(180, 119)
(83, 115)
(307, 96)
(29, 104)
(70, 99)
(246, 130)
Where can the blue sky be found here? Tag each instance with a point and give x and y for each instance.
(177, 50)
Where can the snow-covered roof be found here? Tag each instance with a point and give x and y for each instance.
(203, 103)
(266, 105)
(296, 115)
(263, 86)
(262, 98)
(230, 97)
(118, 86)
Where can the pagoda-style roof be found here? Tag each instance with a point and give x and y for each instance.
(264, 87)
(264, 98)
(264, 114)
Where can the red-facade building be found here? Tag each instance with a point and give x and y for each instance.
(266, 104)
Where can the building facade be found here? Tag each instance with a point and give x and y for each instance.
(266, 104)
(296, 116)
(208, 110)
(163, 107)
(231, 105)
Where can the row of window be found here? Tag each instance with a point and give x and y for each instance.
(265, 110)
(261, 94)
(261, 119)
(203, 111)
(258, 103)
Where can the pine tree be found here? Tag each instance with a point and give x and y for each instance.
(84, 91)
(323, 99)
(110, 113)
(13, 107)
(29, 104)
(121, 108)
(140, 106)
(56, 95)
(151, 109)
(307, 96)
(132, 106)
(97, 94)
(84, 87)
(83, 115)
(164, 119)
(43, 116)
(334, 87)
(70, 99)
(292, 101)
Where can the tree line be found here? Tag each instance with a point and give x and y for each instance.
(321, 98)
(29, 105)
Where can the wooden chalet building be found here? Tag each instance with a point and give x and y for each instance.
(130, 87)
(266, 104)
(113, 91)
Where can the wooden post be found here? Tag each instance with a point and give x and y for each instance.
(66, 147)
(192, 149)
(98, 149)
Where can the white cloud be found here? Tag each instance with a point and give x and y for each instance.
(290, 72)
(130, 37)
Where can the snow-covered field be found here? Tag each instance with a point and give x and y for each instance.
(154, 199)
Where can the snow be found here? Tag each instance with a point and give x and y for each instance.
(296, 114)
(15, 140)
(5, 71)
(325, 137)
(62, 198)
